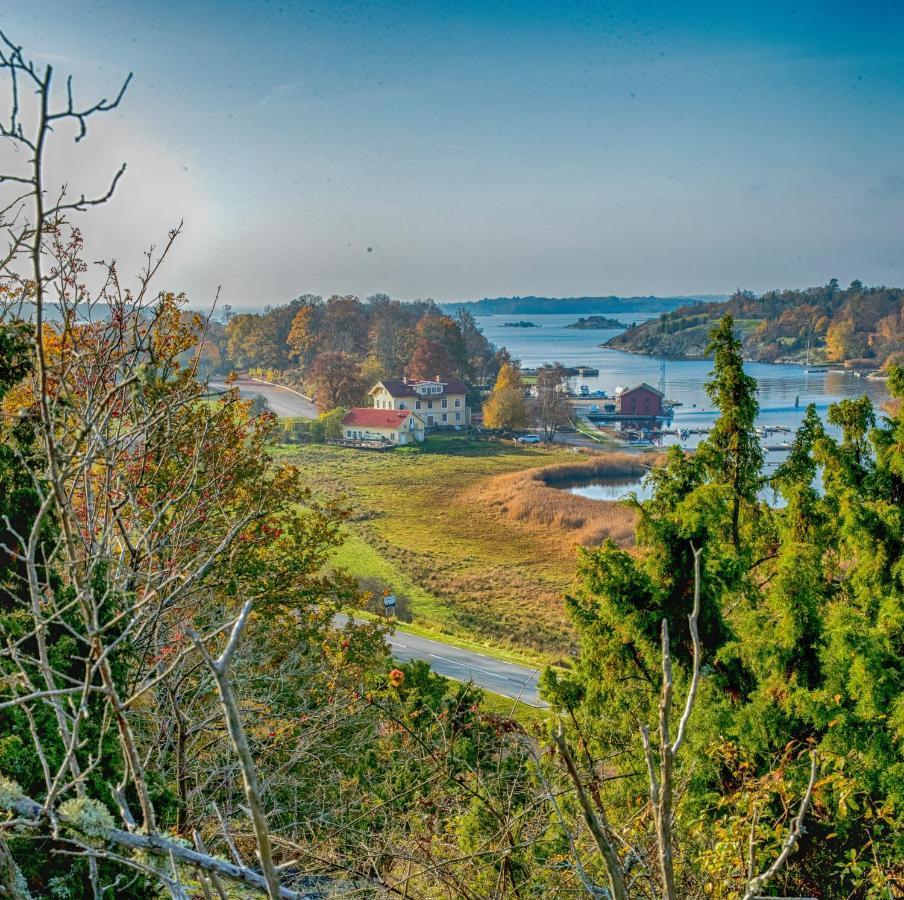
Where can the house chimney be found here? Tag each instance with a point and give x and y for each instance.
(437, 377)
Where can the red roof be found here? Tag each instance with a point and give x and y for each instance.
(643, 386)
(367, 417)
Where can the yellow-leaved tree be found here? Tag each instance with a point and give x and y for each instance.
(506, 407)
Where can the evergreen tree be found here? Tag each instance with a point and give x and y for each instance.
(802, 629)
(732, 454)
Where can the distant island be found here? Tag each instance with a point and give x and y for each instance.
(521, 324)
(861, 327)
(597, 322)
(579, 306)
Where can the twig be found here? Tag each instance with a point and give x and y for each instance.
(755, 885)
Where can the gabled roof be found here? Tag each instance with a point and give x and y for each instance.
(398, 388)
(643, 384)
(368, 417)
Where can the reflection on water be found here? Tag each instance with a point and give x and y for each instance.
(620, 488)
(608, 488)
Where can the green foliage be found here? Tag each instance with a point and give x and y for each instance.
(802, 627)
(328, 425)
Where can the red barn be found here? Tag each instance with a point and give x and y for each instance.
(643, 400)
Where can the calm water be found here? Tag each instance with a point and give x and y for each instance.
(780, 386)
(784, 391)
(611, 489)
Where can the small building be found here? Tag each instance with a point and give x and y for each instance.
(442, 404)
(643, 400)
(367, 425)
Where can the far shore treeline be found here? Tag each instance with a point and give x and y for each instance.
(860, 326)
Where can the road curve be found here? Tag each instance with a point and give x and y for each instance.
(505, 678)
(283, 401)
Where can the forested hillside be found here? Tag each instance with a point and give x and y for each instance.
(861, 326)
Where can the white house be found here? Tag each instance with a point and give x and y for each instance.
(439, 403)
(387, 426)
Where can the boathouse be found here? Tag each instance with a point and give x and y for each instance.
(643, 400)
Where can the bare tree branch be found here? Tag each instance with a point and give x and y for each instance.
(155, 844)
(598, 824)
(789, 845)
(220, 669)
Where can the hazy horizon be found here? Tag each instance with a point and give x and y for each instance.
(486, 149)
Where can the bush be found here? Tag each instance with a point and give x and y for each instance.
(293, 431)
(328, 426)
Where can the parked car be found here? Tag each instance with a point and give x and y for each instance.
(528, 439)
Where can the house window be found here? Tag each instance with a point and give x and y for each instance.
(445, 417)
(411, 423)
(417, 404)
(457, 402)
(429, 404)
(457, 417)
(445, 403)
(429, 420)
(401, 406)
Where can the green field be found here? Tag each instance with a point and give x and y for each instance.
(419, 528)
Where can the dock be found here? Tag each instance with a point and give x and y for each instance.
(570, 371)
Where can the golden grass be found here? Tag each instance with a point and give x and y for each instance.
(436, 527)
(532, 499)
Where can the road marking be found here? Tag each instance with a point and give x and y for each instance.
(466, 665)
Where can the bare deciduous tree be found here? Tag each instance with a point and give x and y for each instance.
(551, 406)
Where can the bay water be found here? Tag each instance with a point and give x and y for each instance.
(784, 391)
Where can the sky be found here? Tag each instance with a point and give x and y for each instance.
(465, 149)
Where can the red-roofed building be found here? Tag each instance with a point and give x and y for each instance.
(443, 404)
(382, 426)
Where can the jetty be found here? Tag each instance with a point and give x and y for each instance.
(570, 371)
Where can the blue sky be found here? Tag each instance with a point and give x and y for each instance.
(459, 150)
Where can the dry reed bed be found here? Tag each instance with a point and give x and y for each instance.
(531, 499)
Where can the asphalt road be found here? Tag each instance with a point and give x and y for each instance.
(283, 401)
(496, 675)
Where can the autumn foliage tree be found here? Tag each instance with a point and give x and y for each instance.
(430, 360)
(387, 337)
(506, 407)
(149, 533)
(336, 379)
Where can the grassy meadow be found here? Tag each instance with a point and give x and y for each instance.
(469, 533)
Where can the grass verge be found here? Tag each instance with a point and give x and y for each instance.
(531, 717)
